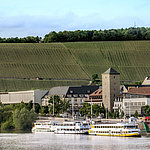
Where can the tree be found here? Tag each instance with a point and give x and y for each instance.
(60, 106)
(23, 118)
(136, 114)
(44, 110)
(122, 114)
(30, 105)
(7, 125)
(85, 110)
(64, 105)
(147, 110)
(116, 114)
(37, 108)
(20, 105)
(94, 77)
(109, 115)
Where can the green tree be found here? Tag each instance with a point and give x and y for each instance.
(23, 118)
(64, 105)
(116, 114)
(20, 105)
(37, 108)
(136, 114)
(109, 115)
(147, 110)
(122, 114)
(7, 125)
(85, 110)
(94, 77)
(29, 105)
(60, 106)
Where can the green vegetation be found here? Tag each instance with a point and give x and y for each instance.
(56, 64)
(85, 110)
(93, 35)
(130, 58)
(17, 116)
(147, 110)
(23, 118)
(60, 106)
(136, 114)
(29, 39)
(17, 84)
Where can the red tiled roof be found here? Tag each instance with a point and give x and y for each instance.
(98, 92)
(140, 90)
(95, 96)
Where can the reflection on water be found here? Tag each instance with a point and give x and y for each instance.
(51, 141)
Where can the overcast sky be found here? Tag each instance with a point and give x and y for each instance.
(20, 18)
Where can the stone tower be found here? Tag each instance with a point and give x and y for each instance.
(110, 87)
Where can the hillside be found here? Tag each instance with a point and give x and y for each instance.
(71, 61)
(130, 58)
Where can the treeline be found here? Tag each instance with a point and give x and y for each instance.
(29, 39)
(86, 35)
(101, 35)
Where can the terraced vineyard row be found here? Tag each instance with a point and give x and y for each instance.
(71, 61)
(38, 60)
(130, 58)
(15, 85)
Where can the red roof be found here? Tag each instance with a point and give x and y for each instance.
(98, 92)
(96, 96)
(140, 90)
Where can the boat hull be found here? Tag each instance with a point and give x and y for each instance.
(137, 134)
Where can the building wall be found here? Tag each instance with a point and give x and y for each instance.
(25, 96)
(111, 89)
(130, 105)
(146, 81)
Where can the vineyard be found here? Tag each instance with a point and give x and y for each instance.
(16, 85)
(71, 63)
(130, 58)
(52, 61)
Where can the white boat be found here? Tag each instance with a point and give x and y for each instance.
(79, 127)
(44, 126)
(129, 129)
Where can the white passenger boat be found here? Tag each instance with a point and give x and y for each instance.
(44, 126)
(80, 127)
(119, 129)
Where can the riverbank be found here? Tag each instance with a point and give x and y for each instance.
(15, 131)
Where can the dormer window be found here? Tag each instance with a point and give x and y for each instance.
(71, 91)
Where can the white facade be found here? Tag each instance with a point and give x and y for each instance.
(22, 96)
(131, 105)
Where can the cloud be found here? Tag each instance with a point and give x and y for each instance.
(35, 25)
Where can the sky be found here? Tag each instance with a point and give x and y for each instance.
(21, 18)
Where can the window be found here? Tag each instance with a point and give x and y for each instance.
(143, 103)
(88, 91)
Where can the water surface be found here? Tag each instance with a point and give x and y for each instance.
(51, 141)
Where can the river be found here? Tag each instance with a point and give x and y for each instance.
(51, 141)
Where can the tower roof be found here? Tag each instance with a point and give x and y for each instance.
(111, 71)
